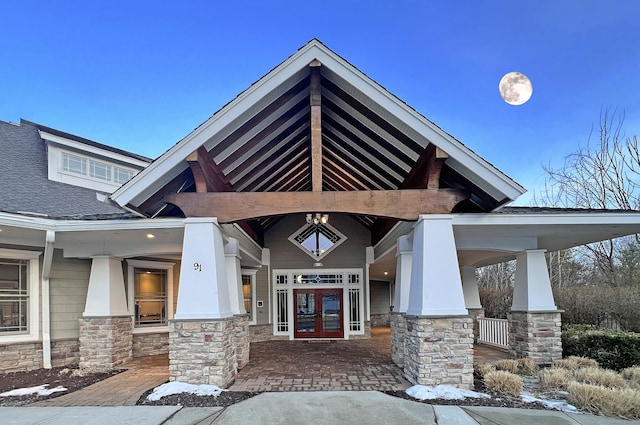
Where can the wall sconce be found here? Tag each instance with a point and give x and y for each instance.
(317, 218)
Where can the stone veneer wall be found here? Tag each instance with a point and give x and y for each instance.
(476, 313)
(202, 351)
(105, 342)
(380, 320)
(241, 340)
(439, 351)
(28, 356)
(536, 335)
(150, 344)
(398, 329)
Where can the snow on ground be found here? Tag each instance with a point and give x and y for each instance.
(423, 392)
(40, 390)
(181, 387)
(561, 405)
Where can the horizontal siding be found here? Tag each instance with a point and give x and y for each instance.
(391, 239)
(262, 294)
(68, 283)
(286, 255)
(380, 300)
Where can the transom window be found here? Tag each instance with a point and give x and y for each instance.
(96, 169)
(317, 240)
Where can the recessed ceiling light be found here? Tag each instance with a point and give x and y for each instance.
(386, 273)
(150, 236)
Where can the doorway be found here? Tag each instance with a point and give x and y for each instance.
(318, 313)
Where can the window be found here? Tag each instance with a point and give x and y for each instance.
(150, 293)
(121, 175)
(100, 170)
(14, 295)
(19, 295)
(249, 293)
(317, 240)
(74, 164)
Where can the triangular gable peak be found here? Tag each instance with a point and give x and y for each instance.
(316, 124)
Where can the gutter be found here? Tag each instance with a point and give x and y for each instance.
(46, 302)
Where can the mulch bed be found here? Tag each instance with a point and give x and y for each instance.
(57, 376)
(225, 399)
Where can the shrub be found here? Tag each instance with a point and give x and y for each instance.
(555, 378)
(611, 349)
(621, 402)
(527, 366)
(597, 376)
(503, 382)
(575, 362)
(482, 369)
(509, 365)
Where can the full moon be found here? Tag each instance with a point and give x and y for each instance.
(515, 88)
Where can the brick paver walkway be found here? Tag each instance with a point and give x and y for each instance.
(353, 365)
(123, 389)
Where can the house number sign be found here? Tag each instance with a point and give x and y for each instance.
(197, 267)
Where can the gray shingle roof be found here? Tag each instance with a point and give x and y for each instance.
(25, 187)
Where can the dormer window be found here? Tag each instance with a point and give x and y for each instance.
(96, 169)
(74, 164)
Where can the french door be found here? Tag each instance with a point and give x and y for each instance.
(318, 313)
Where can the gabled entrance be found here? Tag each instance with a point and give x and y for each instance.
(318, 313)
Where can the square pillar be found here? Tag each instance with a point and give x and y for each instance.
(534, 321)
(106, 338)
(202, 335)
(398, 326)
(439, 331)
(234, 276)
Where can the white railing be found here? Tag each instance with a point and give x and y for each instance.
(494, 332)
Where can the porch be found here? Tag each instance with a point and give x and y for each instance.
(336, 365)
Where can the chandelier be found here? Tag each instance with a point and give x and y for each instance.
(317, 219)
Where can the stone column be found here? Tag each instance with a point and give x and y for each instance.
(201, 336)
(472, 298)
(439, 332)
(106, 338)
(241, 340)
(534, 322)
(398, 325)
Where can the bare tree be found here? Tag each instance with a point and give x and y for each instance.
(602, 175)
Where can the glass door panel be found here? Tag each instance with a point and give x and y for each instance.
(305, 312)
(331, 313)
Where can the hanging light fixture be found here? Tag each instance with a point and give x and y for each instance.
(317, 219)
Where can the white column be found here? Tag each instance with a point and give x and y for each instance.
(436, 287)
(470, 287)
(203, 291)
(369, 259)
(403, 274)
(234, 276)
(106, 296)
(532, 287)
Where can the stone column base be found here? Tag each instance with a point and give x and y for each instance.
(241, 340)
(439, 351)
(105, 342)
(536, 335)
(476, 313)
(202, 351)
(398, 325)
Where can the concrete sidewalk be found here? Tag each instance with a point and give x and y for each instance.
(324, 407)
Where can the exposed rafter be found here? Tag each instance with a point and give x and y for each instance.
(315, 99)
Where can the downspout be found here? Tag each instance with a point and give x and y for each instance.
(46, 310)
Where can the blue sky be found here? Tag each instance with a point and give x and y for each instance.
(140, 75)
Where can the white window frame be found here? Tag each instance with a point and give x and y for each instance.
(33, 287)
(293, 240)
(252, 273)
(88, 161)
(131, 287)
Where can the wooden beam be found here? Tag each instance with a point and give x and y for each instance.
(236, 206)
(206, 173)
(315, 99)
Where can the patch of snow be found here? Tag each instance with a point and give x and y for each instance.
(423, 392)
(181, 387)
(560, 405)
(41, 390)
